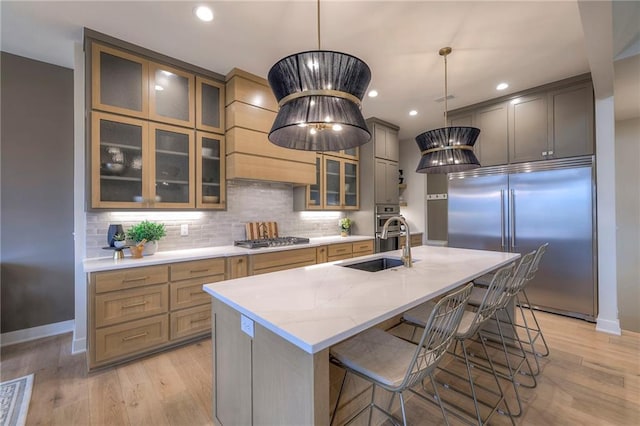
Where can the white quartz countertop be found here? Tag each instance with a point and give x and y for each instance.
(315, 307)
(161, 257)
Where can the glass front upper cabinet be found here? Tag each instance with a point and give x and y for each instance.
(172, 166)
(314, 192)
(350, 185)
(210, 178)
(340, 184)
(118, 161)
(209, 105)
(119, 82)
(171, 95)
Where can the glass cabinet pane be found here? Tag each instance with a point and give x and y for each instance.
(209, 105)
(211, 170)
(332, 182)
(120, 82)
(173, 169)
(314, 190)
(118, 149)
(350, 184)
(171, 95)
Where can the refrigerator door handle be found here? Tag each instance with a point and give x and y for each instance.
(512, 219)
(502, 217)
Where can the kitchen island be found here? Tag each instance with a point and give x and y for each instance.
(272, 333)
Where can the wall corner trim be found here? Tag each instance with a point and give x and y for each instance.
(34, 333)
(608, 326)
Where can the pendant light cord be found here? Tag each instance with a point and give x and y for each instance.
(318, 2)
(445, 90)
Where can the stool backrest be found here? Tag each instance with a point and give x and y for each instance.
(519, 278)
(536, 262)
(437, 335)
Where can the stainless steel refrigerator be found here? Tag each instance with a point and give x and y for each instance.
(517, 208)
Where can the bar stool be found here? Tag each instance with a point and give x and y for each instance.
(397, 365)
(510, 345)
(470, 324)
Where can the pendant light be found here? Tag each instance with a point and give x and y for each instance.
(319, 93)
(450, 148)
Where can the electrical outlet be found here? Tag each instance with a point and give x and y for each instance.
(246, 325)
(184, 229)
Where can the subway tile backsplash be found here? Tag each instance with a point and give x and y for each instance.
(246, 202)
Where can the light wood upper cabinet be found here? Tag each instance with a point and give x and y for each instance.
(171, 95)
(210, 176)
(120, 82)
(340, 184)
(210, 95)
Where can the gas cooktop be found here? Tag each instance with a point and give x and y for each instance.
(271, 242)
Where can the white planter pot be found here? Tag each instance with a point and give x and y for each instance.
(150, 248)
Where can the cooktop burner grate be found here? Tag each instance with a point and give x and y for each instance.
(271, 242)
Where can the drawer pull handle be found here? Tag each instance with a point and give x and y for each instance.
(134, 279)
(196, 293)
(133, 305)
(196, 271)
(199, 319)
(135, 336)
(240, 260)
(340, 250)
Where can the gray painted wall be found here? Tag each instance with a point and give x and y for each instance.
(37, 274)
(628, 222)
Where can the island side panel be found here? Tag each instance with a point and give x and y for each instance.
(231, 367)
(290, 386)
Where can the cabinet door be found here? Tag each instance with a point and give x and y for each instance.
(571, 122)
(209, 105)
(528, 134)
(386, 142)
(386, 182)
(493, 124)
(332, 183)
(171, 95)
(314, 192)
(172, 168)
(119, 82)
(118, 161)
(210, 173)
(351, 200)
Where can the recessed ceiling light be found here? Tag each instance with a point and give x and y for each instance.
(373, 93)
(203, 13)
(413, 112)
(502, 86)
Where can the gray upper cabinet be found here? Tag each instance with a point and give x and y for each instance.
(571, 121)
(528, 128)
(493, 140)
(553, 121)
(386, 142)
(386, 182)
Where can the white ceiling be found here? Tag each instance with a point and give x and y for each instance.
(523, 43)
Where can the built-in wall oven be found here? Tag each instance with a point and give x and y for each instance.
(384, 212)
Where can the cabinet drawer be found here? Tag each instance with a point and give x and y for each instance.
(197, 268)
(277, 261)
(130, 278)
(416, 240)
(126, 339)
(185, 294)
(362, 248)
(189, 322)
(321, 254)
(340, 250)
(127, 305)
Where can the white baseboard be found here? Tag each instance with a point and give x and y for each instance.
(608, 326)
(78, 346)
(34, 333)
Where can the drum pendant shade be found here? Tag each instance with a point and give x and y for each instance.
(450, 148)
(319, 94)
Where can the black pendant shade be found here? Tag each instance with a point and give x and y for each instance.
(319, 94)
(447, 150)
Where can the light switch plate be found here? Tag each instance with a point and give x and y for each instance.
(184, 229)
(246, 325)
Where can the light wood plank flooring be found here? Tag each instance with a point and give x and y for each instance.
(590, 378)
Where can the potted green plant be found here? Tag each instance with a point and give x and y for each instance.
(150, 232)
(345, 226)
(119, 240)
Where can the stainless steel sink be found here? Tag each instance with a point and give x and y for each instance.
(375, 265)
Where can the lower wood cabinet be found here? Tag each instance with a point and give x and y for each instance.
(280, 260)
(193, 321)
(415, 240)
(126, 340)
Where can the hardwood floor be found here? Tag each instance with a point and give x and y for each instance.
(589, 378)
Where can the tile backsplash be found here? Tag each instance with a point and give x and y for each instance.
(246, 202)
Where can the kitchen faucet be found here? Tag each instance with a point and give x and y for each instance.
(406, 249)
